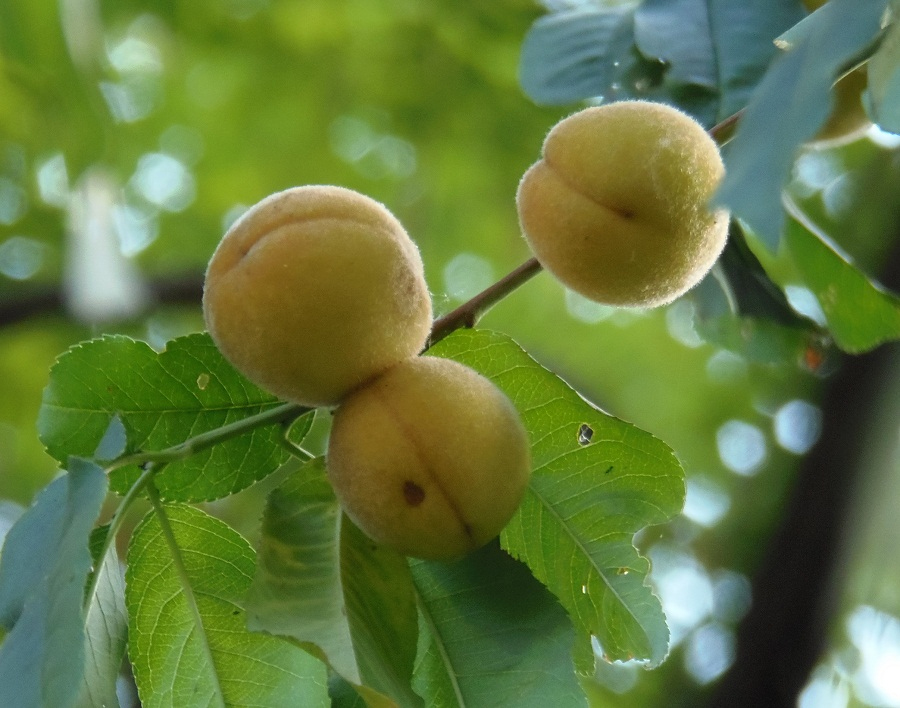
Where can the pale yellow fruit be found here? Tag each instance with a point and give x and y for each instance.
(430, 459)
(314, 291)
(618, 208)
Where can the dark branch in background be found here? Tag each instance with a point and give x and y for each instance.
(795, 589)
(27, 303)
(187, 289)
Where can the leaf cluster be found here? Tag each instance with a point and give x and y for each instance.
(203, 612)
(772, 65)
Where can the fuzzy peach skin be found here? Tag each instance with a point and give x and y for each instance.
(314, 291)
(430, 459)
(617, 208)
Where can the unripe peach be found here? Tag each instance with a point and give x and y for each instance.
(314, 291)
(431, 458)
(618, 208)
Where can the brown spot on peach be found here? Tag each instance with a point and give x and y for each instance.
(413, 493)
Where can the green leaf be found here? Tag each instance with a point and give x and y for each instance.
(187, 577)
(759, 339)
(787, 39)
(300, 428)
(569, 56)
(43, 569)
(678, 33)
(492, 635)
(106, 628)
(343, 693)
(718, 44)
(114, 441)
(790, 105)
(860, 314)
(884, 81)
(749, 287)
(321, 581)
(160, 400)
(597, 480)
(10, 512)
(740, 308)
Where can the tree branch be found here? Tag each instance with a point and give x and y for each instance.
(795, 589)
(280, 414)
(467, 314)
(39, 301)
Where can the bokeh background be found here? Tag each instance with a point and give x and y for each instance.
(132, 133)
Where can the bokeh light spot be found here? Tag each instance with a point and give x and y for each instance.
(684, 588)
(164, 181)
(825, 691)
(21, 258)
(706, 501)
(732, 595)
(817, 169)
(467, 274)
(351, 138)
(742, 447)
(804, 301)
(133, 55)
(709, 651)
(53, 180)
(232, 215)
(725, 366)
(680, 324)
(585, 310)
(136, 228)
(798, 425)
(374, 155)
(13, 202)
(876, 635)
(129, 100)
(838, 197)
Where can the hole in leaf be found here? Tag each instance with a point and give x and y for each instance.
(585, 433)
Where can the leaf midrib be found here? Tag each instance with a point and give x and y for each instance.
(441, 647)
(717, 60)
(577, 541)
(191, 600)
(156, 411)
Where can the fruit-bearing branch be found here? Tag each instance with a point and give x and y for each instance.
(467, 314)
